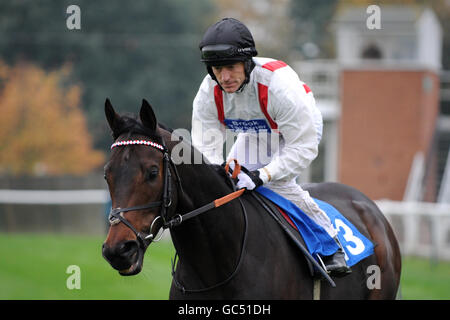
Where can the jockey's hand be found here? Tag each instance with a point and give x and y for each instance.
(248, 179)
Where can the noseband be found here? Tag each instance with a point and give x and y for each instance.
(116, 214)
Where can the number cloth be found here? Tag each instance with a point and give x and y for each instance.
(317, 239)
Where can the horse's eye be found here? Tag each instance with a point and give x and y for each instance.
(152, 173)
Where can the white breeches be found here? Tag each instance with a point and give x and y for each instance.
(247, 151)
(294, 193)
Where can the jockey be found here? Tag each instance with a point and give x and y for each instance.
(272, 112)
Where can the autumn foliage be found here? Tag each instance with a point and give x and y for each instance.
(42, 128)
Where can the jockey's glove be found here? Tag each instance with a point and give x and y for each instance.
(249, 179)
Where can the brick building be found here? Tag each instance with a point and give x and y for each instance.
(380, 100)
(389, 94)
(387, 117)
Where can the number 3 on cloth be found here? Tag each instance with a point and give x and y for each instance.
(353, 244)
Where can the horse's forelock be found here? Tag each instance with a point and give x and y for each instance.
(133, 126)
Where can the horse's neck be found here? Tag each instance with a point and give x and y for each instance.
(209, 244)
(200, 182)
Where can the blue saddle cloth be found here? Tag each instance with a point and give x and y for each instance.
(317, 240)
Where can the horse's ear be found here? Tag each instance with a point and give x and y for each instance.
(147, 115)
(113, 118)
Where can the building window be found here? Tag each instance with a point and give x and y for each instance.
(371, 52)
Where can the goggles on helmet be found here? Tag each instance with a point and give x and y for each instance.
(225, 52)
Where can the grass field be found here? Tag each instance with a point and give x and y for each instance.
(33, 266)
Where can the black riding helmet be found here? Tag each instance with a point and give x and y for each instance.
(227, 42)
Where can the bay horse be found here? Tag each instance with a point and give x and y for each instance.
(234, 251)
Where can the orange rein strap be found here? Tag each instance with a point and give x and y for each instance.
(237, 168)
(178, 219)
(228, 198)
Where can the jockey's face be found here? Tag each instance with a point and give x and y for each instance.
(230, 77)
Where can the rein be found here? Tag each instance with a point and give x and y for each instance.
(178, 219)
(116, 214)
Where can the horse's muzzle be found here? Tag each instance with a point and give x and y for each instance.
(125, 257)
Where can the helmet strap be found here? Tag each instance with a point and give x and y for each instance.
(213, 76)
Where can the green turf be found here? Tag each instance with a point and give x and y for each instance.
(425, 279)
(33, 266)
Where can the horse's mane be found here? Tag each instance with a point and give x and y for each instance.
(220, 170)
(162, 125)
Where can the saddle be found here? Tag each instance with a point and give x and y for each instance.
(287, 226)
(312, 240)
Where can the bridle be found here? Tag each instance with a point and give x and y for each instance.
(116, 214)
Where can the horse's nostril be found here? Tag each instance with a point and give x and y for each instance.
(122, 255)
(127, 248)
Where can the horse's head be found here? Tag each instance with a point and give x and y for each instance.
(138, 177)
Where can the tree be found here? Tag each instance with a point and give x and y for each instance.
(268, 21)
(312, 20)
(42, 128)
(124, 51)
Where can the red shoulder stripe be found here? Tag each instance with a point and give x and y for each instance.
(263, 94)
(274, 65)
(218, 98)
(307, 89)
